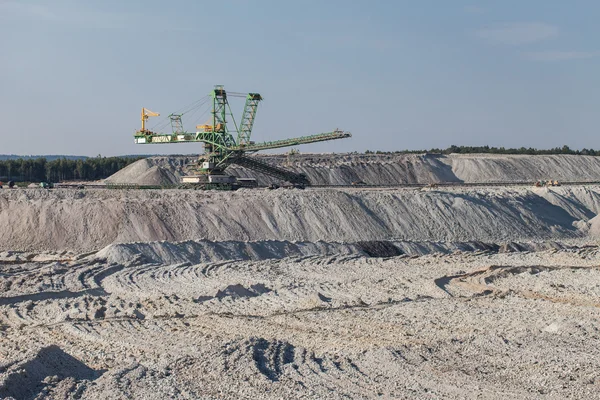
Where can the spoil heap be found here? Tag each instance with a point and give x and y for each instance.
(388, 169)
(152, 171)
(87, 220)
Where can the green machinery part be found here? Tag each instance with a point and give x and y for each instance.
(222, 148)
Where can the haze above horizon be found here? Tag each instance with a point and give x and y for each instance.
(398, 75)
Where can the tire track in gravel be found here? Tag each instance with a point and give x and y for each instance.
(89, 278)
(496, 280)
(64, 294)
(281, 361)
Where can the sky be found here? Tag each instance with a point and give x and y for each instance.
(398, 74)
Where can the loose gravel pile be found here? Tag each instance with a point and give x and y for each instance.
(88, 220)
(153, 171)
(386, 169)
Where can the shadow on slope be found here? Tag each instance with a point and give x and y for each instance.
(50, 365)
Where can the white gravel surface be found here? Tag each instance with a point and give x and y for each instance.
(466, 325)
(489, 293)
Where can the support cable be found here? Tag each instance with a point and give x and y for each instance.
(166, 121)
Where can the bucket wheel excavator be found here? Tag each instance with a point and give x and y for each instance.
(226, 142)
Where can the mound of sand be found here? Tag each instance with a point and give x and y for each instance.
(152, 171)
(205, 251)
(343, 169)
(209, 251)
(513, 168)
(387, 169)
(70, 220)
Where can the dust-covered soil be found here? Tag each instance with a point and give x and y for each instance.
(482, 324)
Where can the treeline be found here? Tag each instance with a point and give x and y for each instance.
(496, 150)
(47, 157)
(40, 169)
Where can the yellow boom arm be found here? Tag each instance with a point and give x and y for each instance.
(145, 115)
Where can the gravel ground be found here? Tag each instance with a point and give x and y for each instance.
(463, 325)
(488, 293)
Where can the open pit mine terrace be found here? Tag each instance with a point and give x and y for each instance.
(350, 292)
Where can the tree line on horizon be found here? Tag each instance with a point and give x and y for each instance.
(94, 168)
(495, 150)
(62, 169)
(33, 157)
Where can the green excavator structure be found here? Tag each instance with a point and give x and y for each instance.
(229, 143)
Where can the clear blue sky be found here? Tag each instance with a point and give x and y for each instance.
(397, 74)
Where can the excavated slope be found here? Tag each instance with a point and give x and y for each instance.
(386, 169)
(512, 168)
(393, 169)
(87, 220)
(373, 169)
(205, 251)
